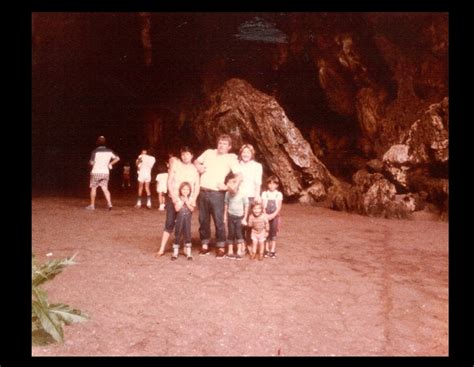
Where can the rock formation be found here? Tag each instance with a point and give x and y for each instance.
(251, 116)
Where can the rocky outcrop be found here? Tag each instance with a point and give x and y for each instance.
(410, 174)
(420, 164)
(372, 194)
(428, 138)
(251, 116)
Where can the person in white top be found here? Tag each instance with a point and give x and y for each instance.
(102, 159)
(251, 182)
(162, 185)
(179, 171)
(214, 165)
(145, 163)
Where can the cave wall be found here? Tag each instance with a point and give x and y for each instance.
(353, 84)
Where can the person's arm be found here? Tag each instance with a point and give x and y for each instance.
(115, 160)
(92, 159)
(196, 188)
(236, 169)
(178, 205)
(198, 163)
(267, 224)
(226, 207)
(278, 203)
(258, 182)
(264, 202)
(246, 211)
(171, 183)
(250, 221)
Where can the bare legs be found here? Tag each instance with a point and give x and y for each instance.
(164, 241)
(106, 192)
(254, 253)
(140, 191)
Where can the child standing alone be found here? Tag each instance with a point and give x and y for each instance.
(144, 164)
(184, 208)
(271, 201)
(126, 174)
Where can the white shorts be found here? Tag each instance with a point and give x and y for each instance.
(161, 187)
(144, 177)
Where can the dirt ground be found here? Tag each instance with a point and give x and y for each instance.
(342, 285)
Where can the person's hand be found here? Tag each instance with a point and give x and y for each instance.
(110, 165)
(222, 187)
(201, 169)
(244, 222)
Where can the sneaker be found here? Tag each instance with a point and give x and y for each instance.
(90, 207)
(220, 254)
(273, 255)
(204, 251)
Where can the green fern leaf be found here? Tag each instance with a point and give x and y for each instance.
(67, 314)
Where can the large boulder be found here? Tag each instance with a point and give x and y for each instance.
(251, 116)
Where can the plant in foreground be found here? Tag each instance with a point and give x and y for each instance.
(48, 319)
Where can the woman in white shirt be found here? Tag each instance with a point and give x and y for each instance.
(251, 183)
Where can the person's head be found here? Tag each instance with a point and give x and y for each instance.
(100, 140)
(171, 160)
(162, 167)
(232, 184)
(185, 189)
(273, 182)
(224, 143)
(247, 153)
(144, 151)
(256, 208)
(186, 155)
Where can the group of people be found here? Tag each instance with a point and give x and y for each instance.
(102, 160)
(219, 185)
